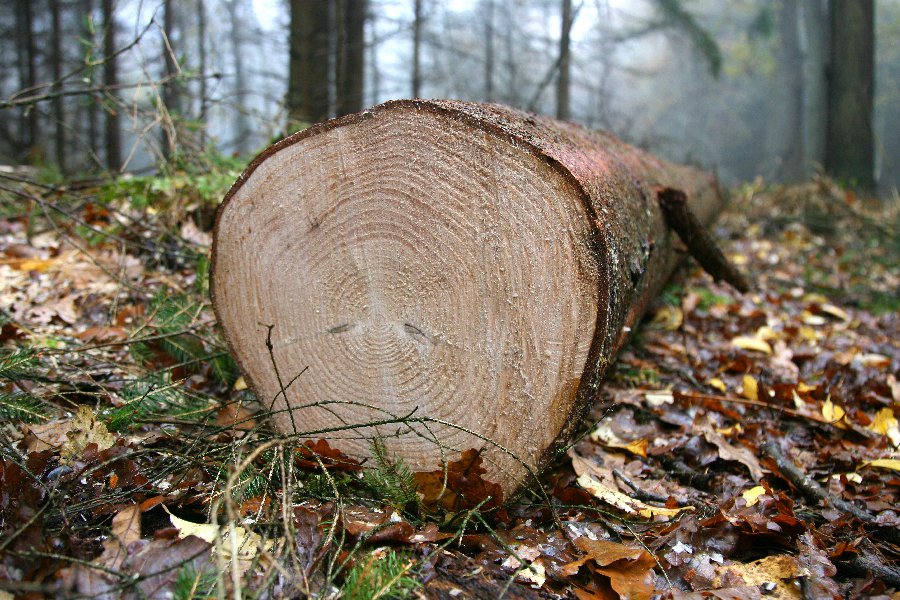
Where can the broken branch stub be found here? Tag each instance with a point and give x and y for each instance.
(453, 275)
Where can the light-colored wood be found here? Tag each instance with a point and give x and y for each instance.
(429, 261)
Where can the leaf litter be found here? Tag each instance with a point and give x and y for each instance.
(743, 446)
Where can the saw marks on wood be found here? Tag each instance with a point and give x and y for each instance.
(418, 266)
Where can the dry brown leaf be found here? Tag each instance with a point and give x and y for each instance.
(630, 570)
(728, 451)
(625, 503)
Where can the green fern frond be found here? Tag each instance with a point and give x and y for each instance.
(22, 408)
(193, 584)
(384, 573)
(391, 479)
(18, 365)
(154, 396)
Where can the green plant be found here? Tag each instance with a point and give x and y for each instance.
(193, 584)
(390, 479)
(384, 573)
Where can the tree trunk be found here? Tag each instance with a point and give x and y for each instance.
(563, 109)
(351, 21)
(28, 75)
(110, 82)
(453, 275)
(56, 61)
(91, 107)
(171, 88)
(793, 167)
(242, 133)
(307, 98)
(417, 50)
(815, 27)
(849, 141)
(489, 51)
(201, 70)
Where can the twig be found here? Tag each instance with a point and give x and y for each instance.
(700, 244)
(812, 490)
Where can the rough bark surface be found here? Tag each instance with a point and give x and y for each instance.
(453, 275)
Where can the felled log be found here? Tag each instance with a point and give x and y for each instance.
(443, 276)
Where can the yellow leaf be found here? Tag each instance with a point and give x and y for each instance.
(751, 388)
(766, 333)
(240, 384)
(227, 541)
(834, 311)
(718, 384)
(799, 404)
(625, 503)
(802, 387)
(752, 343)
(886, 424)
(668, 318)
(752, 495)
(884, 463)
(604, 434)
(833, 413)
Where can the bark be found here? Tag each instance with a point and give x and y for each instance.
(563, 110)
(453, 275)
(307, 98)
(91, 107)
(815, 27)
(28, 74)
(56, 60)
(110, 82)
(351, 19)
(793, 166)
(201, 68)
(489, 51)
(242, 131)
(849, 141)
(417, 50)
(171, 87)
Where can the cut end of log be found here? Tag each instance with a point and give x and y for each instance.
(446, 276)
(433, 277)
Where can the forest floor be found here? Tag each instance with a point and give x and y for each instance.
(744, 446)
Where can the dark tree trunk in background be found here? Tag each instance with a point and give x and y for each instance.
(201, 69)
(563, 110)
(241, 124)
(791, 71)
(307, 97)
(849, 142)
(815, 26)
(27, 57)
(489, 51)
(417, 50)
(171, 91)
(351, 21)
(56, 60)
(91, 107)
(110, 82)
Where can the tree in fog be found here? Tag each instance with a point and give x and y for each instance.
(307, 95)
(351, 46)
(849, 142)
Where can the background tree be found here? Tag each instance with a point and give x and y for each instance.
(350, 76)
(307, 96)
(563, 78)
(849, 141)
(110, 83)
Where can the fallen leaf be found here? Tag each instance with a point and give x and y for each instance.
(779, 570)
(71, 436)
(626, 503)
(834, 414)
(752, 495)
(311, 454)
(886, 424)
(834, 311)
(228, 541)
(718, 384)
(459, 486)
(728, 451)
(751, 388)
(752, 343)
(630, 570)
(604, 434)
(668, 318)
(884, 463)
